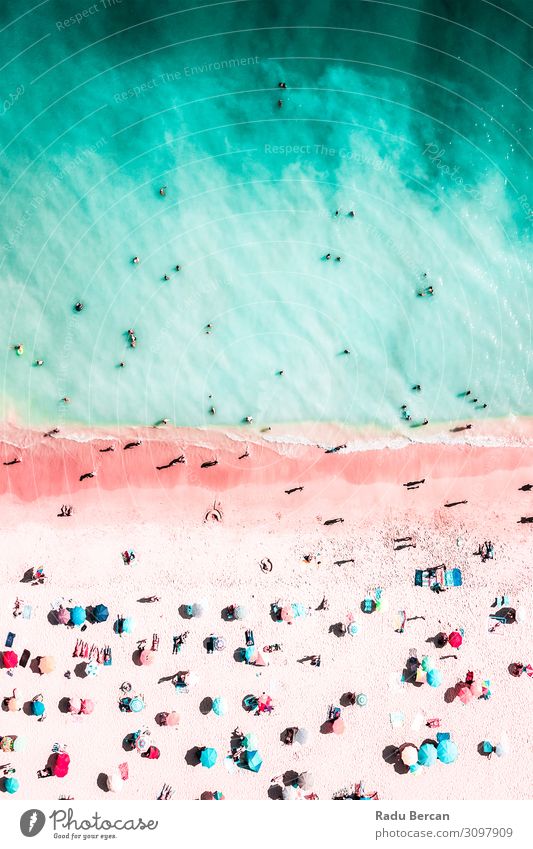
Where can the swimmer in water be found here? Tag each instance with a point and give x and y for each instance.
(66, 399)
(122, 364)
(212, 410)
(78, 307)
(133, 338)
(136, 260)
(282, 85)
(346, 351)
(19, 349)
(417, 388)
(248, 419)
(166, 277)
(351, 213)
(280, 104)
(178, 267)
(328, 256)
(163, 191)
(39, 362)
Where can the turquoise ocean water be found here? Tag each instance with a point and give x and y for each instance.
(414, 116)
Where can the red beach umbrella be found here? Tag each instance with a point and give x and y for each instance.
(455, 639)
(63, 616)
(61, 764)
(465, 694)
(10, 659)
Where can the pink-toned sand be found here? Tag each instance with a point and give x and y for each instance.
(183, 559)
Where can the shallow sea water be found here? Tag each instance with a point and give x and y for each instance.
(412, 119)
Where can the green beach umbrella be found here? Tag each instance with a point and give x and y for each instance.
(77, 615)
(208, 757)
(447, 751)
(427, 754)
(434, 678)
(254, 761)
(11, 785)
(220, 706)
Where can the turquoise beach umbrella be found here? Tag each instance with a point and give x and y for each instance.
(434, 678)
(127, 625)
(11, 785)
(136, 704)
(220, 706)
(77, 615)
(427, 754)
(447, 752)
(37, 708)
(101, 613)
(208, 757)
(254, 761)
(249, 652)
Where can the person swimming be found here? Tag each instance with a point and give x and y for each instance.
(163, 191)
(136, 260)
(427, 291)
(19, 350)
(282, 85)
(39, 362)
(78, 307)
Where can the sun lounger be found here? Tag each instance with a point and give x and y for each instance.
(27, 611)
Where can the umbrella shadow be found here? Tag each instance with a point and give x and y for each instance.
(238, 655)
(26, 707)
(289, 777)
(161, 717)
(346, 700)
(27, 577)
(52, 617)
(249, 703)
(64, 704)
(391, 755)
(410, 677)
(275, 792)
(136, 657)
(34, 665)
(128, 743)
(326, 727)
(192, 757)
(89, 613)
(101, 781)
(274, 613)
(206, 705)
(450, 695)
(80, 670)
(184, 612)
(339, 629)
(226, 615)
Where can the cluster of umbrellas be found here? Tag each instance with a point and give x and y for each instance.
(81, 706)
(291, 612)
(77, 615)
(428, 754)
(467, 692)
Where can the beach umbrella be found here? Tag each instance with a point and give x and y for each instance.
(87, 706)
(127, 625)
(337, 726)
(100, 613)
(19, 744)
(142, 744)
(476, 688)
(197, 610)
(287, 614)
(240, 612)
(434, 678)
(254, 761)
(220, 706)
(46, 664)
(464, 693)
(10, 659)
(7, 744)
(12, 703)
(260, 660)
(250, 742)
(305, 781)
(37, 707)
(502, 749)
(147, 657)
(136, 704)
(11, 785)
(62, 761)
(74, 706)
(410, 755)
(302, 736)
(427, 754)
(290, 793)
(115, 782)
(208, 757)
(172, 718)
(63, 616)
(455, 639)
(77, 615)
(361, 699)
(447, 751)
(249, 652)
(520, 614)
(353, 629)
(220, 643)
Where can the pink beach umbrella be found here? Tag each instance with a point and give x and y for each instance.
(455, 639)
(10, 659)
(87, 707)
(337, 726)
(147, 657)
(63, 616)
(172, 718)
(74, 706)
(476, 688)
(464, 693)
(287, 613)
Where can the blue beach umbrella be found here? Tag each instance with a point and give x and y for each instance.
(77, 615)
(220, 706)
(127, 625)
(208, 757)
(447, 751)
(427, 754)
(101, 613)
(11, 785)
(254, 761)
(434, 678)
(37, 708)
